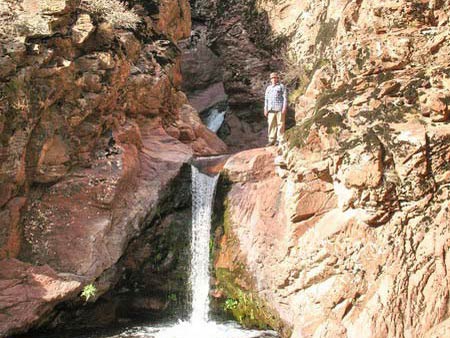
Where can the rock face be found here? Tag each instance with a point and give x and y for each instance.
(30, 292)
(345, 232)
(229, 56)
(94, 128)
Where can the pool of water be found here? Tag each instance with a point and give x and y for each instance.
(188, 330)
(180, 329)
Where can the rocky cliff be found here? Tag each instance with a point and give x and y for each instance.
(94, 129)
(344, 230)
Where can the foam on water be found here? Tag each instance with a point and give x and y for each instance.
(188, 330)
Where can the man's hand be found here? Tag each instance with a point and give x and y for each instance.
(284, 111)
(265, 113)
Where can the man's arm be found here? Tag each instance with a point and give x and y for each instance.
(285, 100)
(266, 103)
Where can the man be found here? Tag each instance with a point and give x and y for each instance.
(275, 107)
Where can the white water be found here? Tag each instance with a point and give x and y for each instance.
(214, 120)
(203, 187)
(205, 330)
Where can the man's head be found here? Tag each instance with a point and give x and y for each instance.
(274, 79)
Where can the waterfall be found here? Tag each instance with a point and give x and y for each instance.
(199, 326)
(203, 187)
(215, 119)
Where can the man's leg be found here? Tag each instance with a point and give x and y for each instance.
(281, 125)
(272, 127)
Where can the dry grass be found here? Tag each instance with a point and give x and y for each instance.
(113, 11)
(15, 22)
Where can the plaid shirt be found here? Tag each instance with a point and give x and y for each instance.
(275, 98)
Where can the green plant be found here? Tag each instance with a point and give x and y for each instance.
(212, 246)
(89, 291)
(230, 304)
(172, 297)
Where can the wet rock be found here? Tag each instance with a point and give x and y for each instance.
(211, 165)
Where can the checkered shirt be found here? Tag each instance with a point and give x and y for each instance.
(275, 98)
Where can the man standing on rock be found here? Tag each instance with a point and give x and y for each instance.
(275, 107)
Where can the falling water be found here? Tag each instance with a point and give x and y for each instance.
(203, 187)
(199, 326)
(215, 119)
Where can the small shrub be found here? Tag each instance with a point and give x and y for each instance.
(89, 291)
(114, 12)
(230, 304)
(172, 297)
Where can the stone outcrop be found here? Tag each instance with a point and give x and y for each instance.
(94, 129)
(344, 230)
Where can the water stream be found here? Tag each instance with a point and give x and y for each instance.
(199, 325)
(203, 187)
(215, 119)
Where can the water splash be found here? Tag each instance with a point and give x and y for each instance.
(202, 330)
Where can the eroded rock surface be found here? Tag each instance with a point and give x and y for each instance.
(345, 231)
(94, 128)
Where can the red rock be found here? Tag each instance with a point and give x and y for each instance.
(174, 19)
(77, 212)
(6, 191)
(311, 203)
(371, 262)
(29, 292)
(187, 134)
(173, 131)
(434, 104)
(92, 135)
(389, 88)
(253, 165)
(193, 131)
(53, 161)
(10, 223)
(201, 100)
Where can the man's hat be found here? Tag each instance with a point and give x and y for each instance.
(272, 75)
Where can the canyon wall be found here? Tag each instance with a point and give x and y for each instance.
(94, 129)
(231, 53)
(343, 231)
